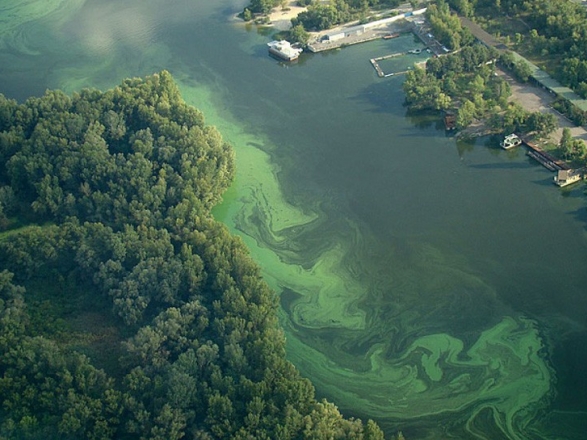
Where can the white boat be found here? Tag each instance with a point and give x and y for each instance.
(284, 50)
(510, 141)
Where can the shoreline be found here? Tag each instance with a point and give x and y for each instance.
(528, 96)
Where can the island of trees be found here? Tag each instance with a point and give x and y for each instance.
(126, 310)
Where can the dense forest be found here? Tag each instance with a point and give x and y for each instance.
(126, 310)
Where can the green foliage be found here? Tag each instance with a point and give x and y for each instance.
(465, 114)
(466, 80)
(463, 7)
(423, 91)
(573, 149)
(262, 6)
(320, 16)
(555, 37)
(247, 14)
(465, 75)
(72, 163)
(541, 123)
(126, 310)
(298, 34)
(522, 71)
(574, 113)
(447, 27)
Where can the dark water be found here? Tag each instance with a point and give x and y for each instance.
(433, 285)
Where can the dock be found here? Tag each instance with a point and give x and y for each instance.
(545, 159)
(321, 46)
(375, 63)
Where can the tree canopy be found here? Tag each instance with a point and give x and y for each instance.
(325, 15)
(126, 310)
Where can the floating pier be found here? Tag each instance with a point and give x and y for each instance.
(375, 65)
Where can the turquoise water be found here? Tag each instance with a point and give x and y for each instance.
(433, 285)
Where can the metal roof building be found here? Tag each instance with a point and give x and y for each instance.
(539, 75)
(548, 82)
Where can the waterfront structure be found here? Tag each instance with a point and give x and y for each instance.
(284, 50)
(566, 177)
(345, 33)
(450, 121)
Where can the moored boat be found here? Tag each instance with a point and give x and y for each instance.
(510, 141)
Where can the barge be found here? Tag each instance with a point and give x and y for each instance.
(284, 50)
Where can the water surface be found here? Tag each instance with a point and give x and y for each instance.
(433, 285)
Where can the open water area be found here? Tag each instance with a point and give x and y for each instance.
(434, 285)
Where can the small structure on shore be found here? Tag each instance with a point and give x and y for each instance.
(450, 121)
(284, 50)
(510, 141)
(345, 33)
(566, 177)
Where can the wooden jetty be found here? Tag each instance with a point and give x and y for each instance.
(375, 65)
(547, 160)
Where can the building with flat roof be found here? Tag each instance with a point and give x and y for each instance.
(549, 83)
(284, 50)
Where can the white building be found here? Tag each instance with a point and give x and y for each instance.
(284, 50)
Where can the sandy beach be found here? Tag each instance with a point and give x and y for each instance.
(280, 18)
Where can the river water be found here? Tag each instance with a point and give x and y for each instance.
(436, 286)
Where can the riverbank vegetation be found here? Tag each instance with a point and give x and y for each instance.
(466, 83)
(126, 310)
